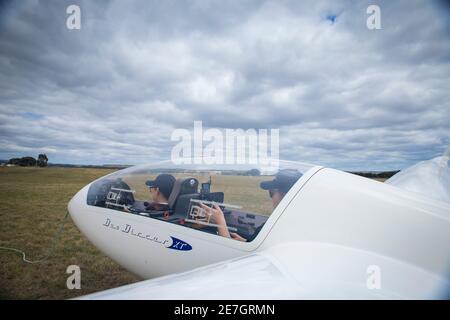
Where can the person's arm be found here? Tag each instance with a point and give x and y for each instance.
(236, 236)
(218, 218)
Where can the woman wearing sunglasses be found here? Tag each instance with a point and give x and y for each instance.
(278, 188)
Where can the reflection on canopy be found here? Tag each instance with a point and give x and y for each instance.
(234, 188)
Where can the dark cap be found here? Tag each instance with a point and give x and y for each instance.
(284, 180)
(164, 182)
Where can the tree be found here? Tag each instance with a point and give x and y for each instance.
(253, 172)
(23, 162)
(42, 160)
(14, 161)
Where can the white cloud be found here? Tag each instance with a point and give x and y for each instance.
(112, 92)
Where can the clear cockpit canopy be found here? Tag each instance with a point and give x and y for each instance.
(235, 188)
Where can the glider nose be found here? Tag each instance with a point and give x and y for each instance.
(77, 204)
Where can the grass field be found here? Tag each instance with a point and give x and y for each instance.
(33, 202)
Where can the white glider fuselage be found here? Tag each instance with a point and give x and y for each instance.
(325, 206)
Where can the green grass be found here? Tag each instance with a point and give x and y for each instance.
(33, 202)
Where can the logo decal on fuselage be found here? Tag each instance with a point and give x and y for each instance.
(131, 230)
(178, 244)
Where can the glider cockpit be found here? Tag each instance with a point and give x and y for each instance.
(245, 206)
(183, 207)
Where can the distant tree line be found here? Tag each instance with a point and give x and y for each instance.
(375, 175)
(253, 172)
(41, 161)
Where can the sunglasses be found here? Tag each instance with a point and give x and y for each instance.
(272, 192)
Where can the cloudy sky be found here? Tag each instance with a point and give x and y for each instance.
(113, 92)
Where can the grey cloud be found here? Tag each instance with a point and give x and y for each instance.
(342, 95)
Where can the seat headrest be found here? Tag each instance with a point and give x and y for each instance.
(182, 186)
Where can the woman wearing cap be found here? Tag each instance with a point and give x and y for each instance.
(161, 187)
(278, 188)
(160, 190)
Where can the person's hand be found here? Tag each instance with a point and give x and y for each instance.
(214, 213)
(217, 217)
(235, 236)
